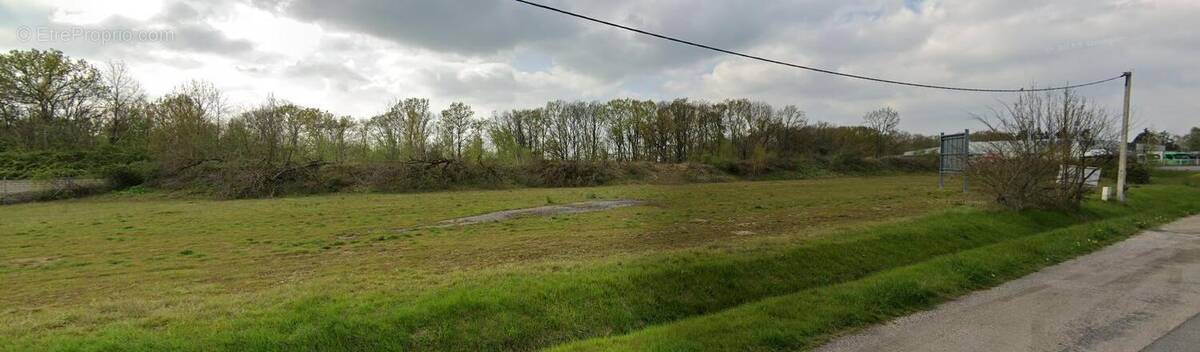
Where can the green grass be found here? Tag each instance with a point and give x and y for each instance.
(329, 273)
(807, 318)
(82, 267)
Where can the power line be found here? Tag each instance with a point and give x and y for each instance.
(831, 72)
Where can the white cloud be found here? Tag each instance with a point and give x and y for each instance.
(269, 32)
(91, 11)
(356, 56)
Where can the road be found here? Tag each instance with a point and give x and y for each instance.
(1142, 294)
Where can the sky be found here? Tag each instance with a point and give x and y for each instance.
(355, 57)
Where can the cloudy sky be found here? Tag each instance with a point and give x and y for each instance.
(354, 56)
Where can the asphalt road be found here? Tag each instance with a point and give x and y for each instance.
(1142, 294)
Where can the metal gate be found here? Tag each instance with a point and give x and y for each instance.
(954, 154)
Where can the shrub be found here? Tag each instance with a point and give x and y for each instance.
(139, 189)
(1137, 173)
(247, 179)
(673, 173)
(739, 167)
(568, 173)
(418, 175)
(1015, 182)
(909, 163)
(1044, 165)
(854, 163)
(128, 175)
(48, 164)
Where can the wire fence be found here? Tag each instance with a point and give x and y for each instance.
(16, 191)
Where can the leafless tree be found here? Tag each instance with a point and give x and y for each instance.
(416, 124)
(883, 123)
(387, 131)
(454, 128)
(209, 98)
(1058, 140)
(122, 94)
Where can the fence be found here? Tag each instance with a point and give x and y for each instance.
(1179, 162)
(14, 191)
(954, 153)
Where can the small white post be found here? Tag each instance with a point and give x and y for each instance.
(1104, 193)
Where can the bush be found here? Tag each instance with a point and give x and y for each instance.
(1044, 165)
(774, 168)
(742, 168)
(673, 173)
(413, 175)
(909, 163)
(139, 189)
(252, 180)
(71, 163)
(1017, 182)
(1137, 173)
(568, 173)
(245, 179)
(123, 176)
(854, 163)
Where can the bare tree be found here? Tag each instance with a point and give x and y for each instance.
(883, 123)
(736, 115)
(762, 122)
(416, 122)
(387, 130)
(454, 128)
(562, 129)
(268, 131)
(209, 99)
(122, 93)
(1057, 142)
(337, 131)
(791, 117)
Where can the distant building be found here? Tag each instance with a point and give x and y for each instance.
(1147, 152)
(987, 147)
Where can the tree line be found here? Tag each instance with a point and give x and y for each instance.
(49, 101)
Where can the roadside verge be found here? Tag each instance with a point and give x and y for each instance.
(808, 318)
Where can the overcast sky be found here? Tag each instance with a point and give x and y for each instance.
(355, 56)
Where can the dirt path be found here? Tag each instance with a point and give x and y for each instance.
(549, 210)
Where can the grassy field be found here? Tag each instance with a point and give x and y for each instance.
(807, 318)
(150, 272)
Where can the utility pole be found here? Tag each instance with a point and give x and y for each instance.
(1121, 161)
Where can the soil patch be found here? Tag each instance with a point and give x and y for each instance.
(549, 210)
